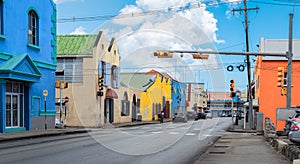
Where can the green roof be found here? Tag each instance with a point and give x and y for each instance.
(139, 81)
(75, 44)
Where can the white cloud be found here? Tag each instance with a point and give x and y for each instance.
(78, 31)
(140, 33)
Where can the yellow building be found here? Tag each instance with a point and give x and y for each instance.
(157, 97)
(155, 93)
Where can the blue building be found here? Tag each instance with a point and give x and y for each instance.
(178, 94)
(27, 64)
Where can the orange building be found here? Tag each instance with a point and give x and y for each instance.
(265, 78)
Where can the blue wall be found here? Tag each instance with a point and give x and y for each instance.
(178, 93)
(14, 41)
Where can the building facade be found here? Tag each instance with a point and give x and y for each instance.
(27, 64)
(157, 96)
(84, 59)
(196, 97)
(265, 77)
(178, 92)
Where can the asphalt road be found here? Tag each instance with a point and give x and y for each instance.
(157, 143)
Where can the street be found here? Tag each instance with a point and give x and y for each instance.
(157, 143)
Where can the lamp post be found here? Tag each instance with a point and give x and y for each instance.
(45, 94)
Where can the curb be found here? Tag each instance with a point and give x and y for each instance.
(290, 151)
(54, 133)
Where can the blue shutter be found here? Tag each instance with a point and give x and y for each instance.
(118, 77)
(114, 76)
(99, 67)
(107, 75)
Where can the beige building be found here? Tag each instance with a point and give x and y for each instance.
(196, 97)
(81, 61)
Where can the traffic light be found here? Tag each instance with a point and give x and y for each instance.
(100, 82)
(232, 90)
(231, 85)
(59, 82)
(283, 91)
(163, 54)
(280, 77)
(200, 56)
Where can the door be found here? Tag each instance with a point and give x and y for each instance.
(134, 107)
(167, 109)
(109, 110)
(14, 105)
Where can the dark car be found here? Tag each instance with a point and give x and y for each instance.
(200, 115)
(191, 115)
(179, 117)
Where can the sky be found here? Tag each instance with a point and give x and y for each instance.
(143, 26)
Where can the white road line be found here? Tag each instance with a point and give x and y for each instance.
(190, 134)
(173, 133)
(156, 132)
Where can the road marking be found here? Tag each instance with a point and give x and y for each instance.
(156, 132)
(190, 134)
(173, 133)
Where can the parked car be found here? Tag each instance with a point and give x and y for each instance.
(294, 133)
(191, 115)
(289, 121)
(208, 114)
(200, 115)
(179, 117)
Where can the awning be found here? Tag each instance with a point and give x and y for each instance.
(111, 94)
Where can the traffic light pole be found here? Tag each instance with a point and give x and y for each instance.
(290, 59)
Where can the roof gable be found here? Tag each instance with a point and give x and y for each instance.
(20, 66)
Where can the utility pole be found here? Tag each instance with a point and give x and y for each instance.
(290, 59)
(249, 97)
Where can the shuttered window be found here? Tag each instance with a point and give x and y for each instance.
(107, 75)
(72, 68)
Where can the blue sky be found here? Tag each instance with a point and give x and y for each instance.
(199, 25)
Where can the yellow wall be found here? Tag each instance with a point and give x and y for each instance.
(153, 95)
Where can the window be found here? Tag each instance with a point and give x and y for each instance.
(32, 28)
(1, 18)
(285, 79)
(115, 76)
(72, 68)
(125, 105)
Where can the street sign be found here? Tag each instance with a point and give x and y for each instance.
(45, 93)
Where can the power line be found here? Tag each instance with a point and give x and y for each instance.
(189, 6)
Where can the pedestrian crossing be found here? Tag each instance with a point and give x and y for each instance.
(188, 130)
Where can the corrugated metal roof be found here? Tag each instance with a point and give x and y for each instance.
(279, 46)
(75, 44)
(139, 81)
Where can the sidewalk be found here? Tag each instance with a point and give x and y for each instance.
(241, 146)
